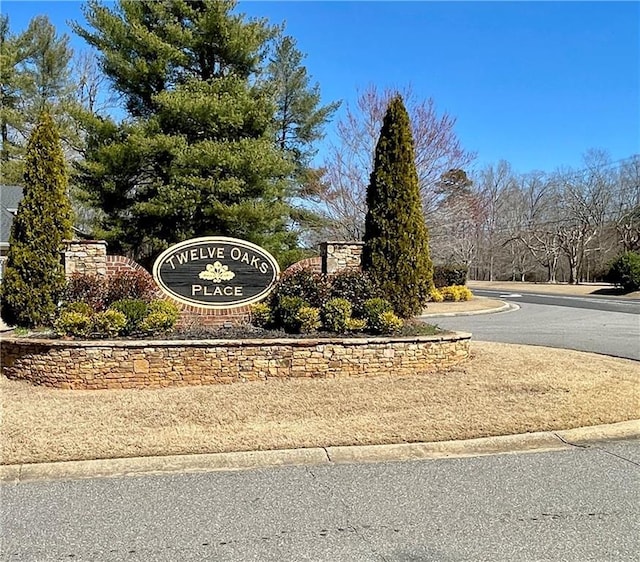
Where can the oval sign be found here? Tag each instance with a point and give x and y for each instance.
(216, 272)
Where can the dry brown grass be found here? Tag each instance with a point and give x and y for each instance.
(503, 389)
(552, 288)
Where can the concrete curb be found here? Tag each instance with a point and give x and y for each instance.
(504, 444)
(506, 307)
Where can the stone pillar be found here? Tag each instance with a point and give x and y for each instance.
(87, 257)
(338, 256)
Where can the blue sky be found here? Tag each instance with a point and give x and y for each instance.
(533, 83)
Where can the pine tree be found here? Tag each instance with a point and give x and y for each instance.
(34, 274)
(197, 155)
(396, 249)
(299, 123)
(34, 75)
(300, 118)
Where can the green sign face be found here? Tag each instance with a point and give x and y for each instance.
(216, 272)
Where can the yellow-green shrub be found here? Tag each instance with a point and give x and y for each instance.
(308, 318)
(464, 293)
(456, 293)
(108, 323)
(390, 323)
(261, 315)
(435, 295)
(75, 324)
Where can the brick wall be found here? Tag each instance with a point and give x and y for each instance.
(314, 264)
(154, 364)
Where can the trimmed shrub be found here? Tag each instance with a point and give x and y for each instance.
(389, 323)
(356, 324)
(456, 293)
(464, 293)
(336, 314)
(161, 319)
(435, 295)
(164, 307)
(449, 293)
(625, 271)
(134, 310)
(448, 275)
(304, 283)
(108, 324)
(261, 316)
(81, 307)
(308, 319)
(130, 284)
(354, 286)
(90, 289)
(74, 324)
(286, 313)
(373, 310)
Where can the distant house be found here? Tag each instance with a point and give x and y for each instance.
(10, 197)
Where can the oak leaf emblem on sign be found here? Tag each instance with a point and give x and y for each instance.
(217, 273)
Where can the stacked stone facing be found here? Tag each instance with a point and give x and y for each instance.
(97, 365)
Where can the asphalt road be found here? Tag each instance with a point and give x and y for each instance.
(565, 322)
(591, 302)
(580, 504)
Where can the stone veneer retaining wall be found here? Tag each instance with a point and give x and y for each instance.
(93, 365)
(337, 256)
(87, 257)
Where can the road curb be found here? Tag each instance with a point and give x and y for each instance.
(504, 308)
(137, 466)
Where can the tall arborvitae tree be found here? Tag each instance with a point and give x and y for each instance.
(396, 249)
(34, 273)
(197, 155)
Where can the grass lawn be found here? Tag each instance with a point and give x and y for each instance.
(502, 389)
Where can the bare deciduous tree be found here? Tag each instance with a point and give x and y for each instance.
(349, 163)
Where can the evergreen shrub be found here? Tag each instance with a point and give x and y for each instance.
(354, 286)
(396, 239)
(448, 275)
(389, 323)
(456, 293)
(356, 324)
(134, 310)
(34, 276)
(373, 311)
(435, 295)
(625, 271)
(74, 324)
(81, 307)
(303, 283)
(336, 314)
(108, 323)
(308, 319)
(286, 313)
(261, 315)
(161, 319)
